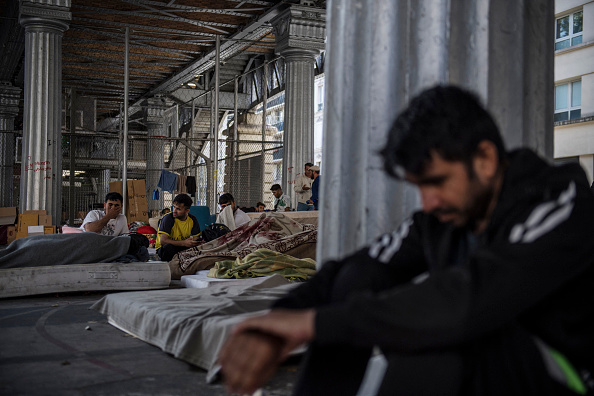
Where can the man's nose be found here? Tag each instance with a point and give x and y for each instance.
(430, 199)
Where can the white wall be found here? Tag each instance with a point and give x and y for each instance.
(574, 139)
(574, 62)
(562, 6)
(588, 95)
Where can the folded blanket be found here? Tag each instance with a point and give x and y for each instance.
(264, 262)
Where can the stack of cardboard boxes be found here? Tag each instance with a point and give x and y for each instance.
(31, 222)
(137, 204)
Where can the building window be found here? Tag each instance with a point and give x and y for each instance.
(320, 97)
(568, 101)
(568, 30)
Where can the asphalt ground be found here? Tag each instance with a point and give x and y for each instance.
(56, 345)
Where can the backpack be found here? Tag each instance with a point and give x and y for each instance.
(213, 231)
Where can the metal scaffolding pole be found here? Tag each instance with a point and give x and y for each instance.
(71, 205)
(234, 176)
(215, 125)
(264, 104)
(125, 143)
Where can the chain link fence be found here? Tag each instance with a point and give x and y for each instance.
(173, 132)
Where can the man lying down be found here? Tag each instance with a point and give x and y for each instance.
(83, 248)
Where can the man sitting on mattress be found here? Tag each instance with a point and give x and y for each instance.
(110, 220)
(179, 230)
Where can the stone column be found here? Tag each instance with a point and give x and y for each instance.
(381, 55)
(300, 33)
(9, 109)
(155, 150)
(41, 169)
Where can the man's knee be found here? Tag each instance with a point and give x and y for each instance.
(166, 252)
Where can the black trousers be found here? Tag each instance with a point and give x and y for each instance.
(166, 252)
(503, 363)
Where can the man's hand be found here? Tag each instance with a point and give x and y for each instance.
(248, 359)
(257, 345)
(305, 187)
(293, 327)
(191, 242)
(112, 211)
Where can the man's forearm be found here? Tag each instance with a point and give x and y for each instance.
(96, 226)
(165, 240)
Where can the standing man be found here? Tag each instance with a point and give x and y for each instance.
(281, 201)
(486, 291)
(303, 189)
(179, 230)
(110, 220)
(315, 187)
(239, 216)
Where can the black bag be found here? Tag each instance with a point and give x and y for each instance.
(213, 231)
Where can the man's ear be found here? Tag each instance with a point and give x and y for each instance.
(486, 160)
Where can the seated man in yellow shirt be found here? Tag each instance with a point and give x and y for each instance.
(179, 230)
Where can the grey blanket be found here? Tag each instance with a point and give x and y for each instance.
(62, 249)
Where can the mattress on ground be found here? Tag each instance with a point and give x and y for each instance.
(84, 277)
(191, 324)
(200, 280)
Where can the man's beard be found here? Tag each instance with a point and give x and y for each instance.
(477, 208)
(480, 205)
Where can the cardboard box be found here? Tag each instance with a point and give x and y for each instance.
(26, 220)
(37, 212)
(45, 220)
(35, 230)
(8, 215)
(136, 203)
(49, 229)
(21, 234)
(10, 234)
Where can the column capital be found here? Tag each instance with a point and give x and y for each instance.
(37, 15)
(300, 28)
(9, 99)
(154, 111)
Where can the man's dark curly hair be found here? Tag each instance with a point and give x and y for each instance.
(444, 119)
(114, 196)
(183, 199)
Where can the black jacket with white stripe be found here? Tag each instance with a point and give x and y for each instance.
(532, 267)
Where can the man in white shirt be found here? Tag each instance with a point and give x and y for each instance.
(239, 215)
(303, 189)
(282, 201)
(109, 221)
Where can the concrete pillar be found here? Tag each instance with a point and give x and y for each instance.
(381, 55)
(300, 32)
(155, 150)
(41, 169)
(9, 109)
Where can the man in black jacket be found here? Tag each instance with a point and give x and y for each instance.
(487, 291)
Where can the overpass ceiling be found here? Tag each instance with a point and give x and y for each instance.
(171, 43)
